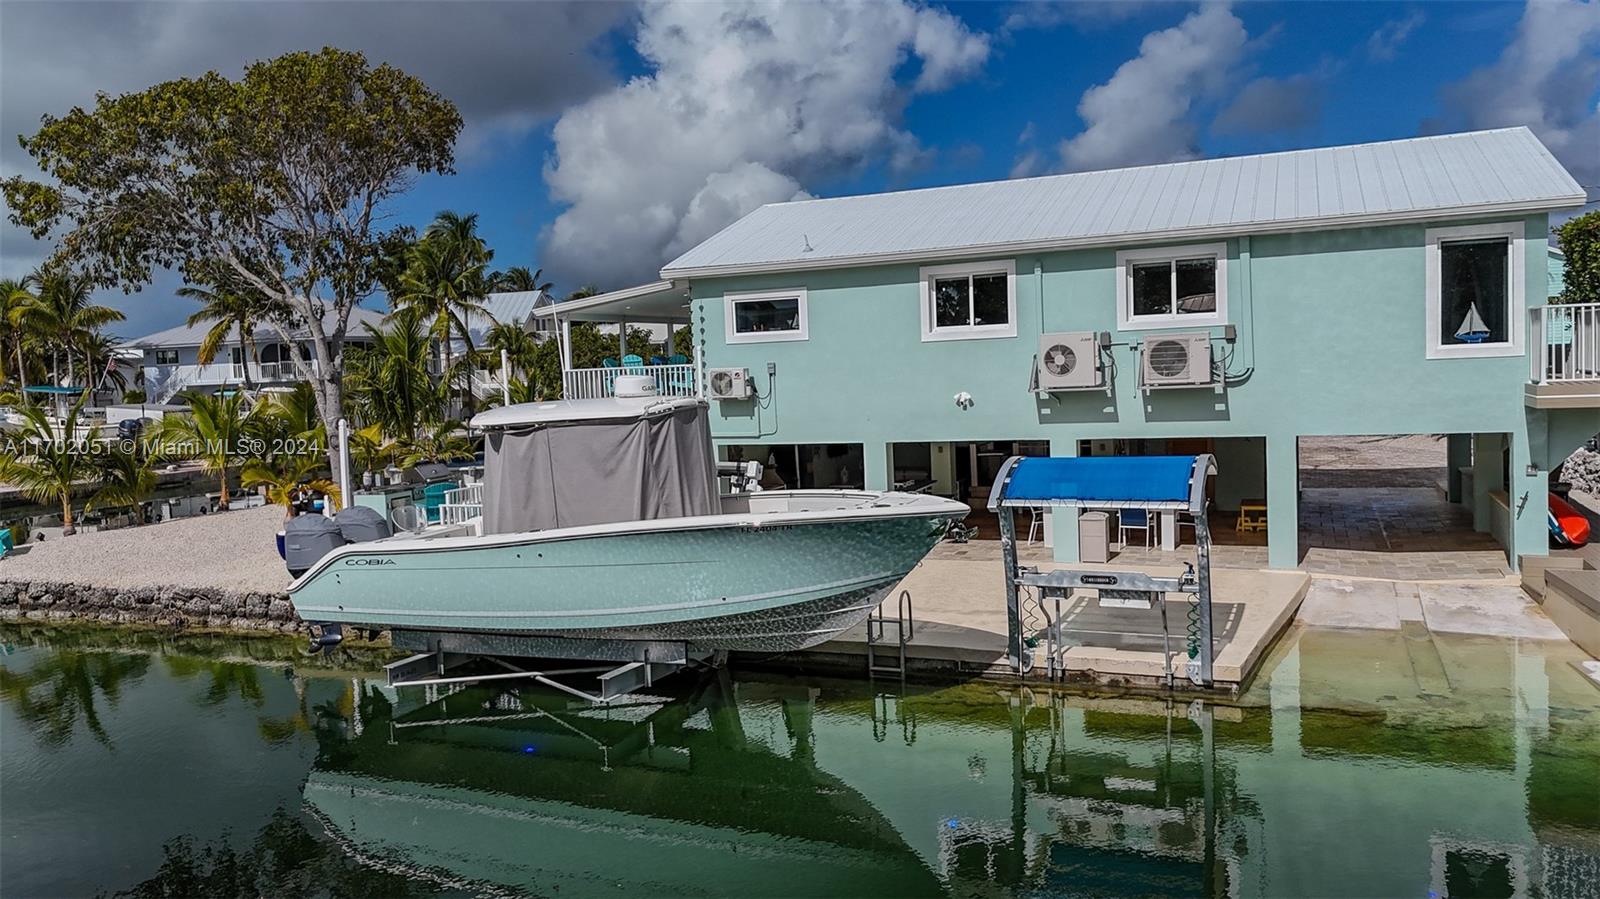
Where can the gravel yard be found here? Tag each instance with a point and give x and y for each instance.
(232, 551)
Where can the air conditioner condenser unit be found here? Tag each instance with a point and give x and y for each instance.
(1176, 360)
(1070, 361)
(729, 384)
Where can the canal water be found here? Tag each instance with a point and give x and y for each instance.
(1359, 764)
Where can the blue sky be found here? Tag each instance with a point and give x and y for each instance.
(647, 128)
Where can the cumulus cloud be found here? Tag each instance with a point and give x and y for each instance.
(1272, 104)
(1083, 14)
(1384, 44)
(1546, 78)
(1143, 114)
(744, 105)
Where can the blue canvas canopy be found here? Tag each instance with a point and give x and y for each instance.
(1148, 482)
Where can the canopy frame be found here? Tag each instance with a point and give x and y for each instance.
(1192, 499)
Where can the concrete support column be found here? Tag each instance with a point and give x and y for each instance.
(1486, 477)
(1063, 529)
(877, 457)
(1458, 455)
(1529, 491)
(1283, 500)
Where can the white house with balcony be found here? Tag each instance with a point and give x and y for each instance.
(172, 357)
(659, 303)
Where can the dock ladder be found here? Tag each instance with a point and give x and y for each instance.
(877, 623)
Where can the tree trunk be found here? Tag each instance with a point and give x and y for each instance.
(245, 354)
(67, 530)
(222, 497)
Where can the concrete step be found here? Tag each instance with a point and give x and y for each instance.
(1572, 600)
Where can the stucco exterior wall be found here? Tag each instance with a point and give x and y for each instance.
(1331, 335)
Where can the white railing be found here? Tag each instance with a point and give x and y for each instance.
(1565, 340)
(461, 505)
(596, 383)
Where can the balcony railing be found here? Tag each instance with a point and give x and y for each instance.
(1565, 340)
(461, 505)
(268, 371)
(596, 383)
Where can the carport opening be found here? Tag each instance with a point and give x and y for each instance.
(1239, 488)
(1402, 493)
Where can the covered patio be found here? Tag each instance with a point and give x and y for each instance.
(659, 303)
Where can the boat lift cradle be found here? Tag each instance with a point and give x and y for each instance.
(1153, 483)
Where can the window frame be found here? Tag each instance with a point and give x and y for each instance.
(1516, 291)
(730, 302)
(177, 357)
(931, 331)
(1126, 259)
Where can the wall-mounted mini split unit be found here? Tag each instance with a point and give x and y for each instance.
(1176, 360)
(1070, 361)
(729, 384)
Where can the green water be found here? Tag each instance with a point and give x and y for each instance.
(1360, 764)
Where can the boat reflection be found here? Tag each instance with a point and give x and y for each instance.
(487, 787)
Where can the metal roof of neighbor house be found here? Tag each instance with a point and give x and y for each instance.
(515, 308)
(1480, 172)
(186, 335)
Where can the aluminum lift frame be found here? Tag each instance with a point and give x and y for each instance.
(635, 665)
(1060, 583)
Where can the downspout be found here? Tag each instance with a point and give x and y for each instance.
(1247, 318)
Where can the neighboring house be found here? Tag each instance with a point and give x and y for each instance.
(172, 357)
(1227, 305)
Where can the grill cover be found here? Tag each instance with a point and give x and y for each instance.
(598, 471)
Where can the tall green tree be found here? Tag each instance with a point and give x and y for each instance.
(1580, 243)
(50, 461)
(281, 177)
(217, 431)
(65, 316)
(16, 329)
(518, 278)
(446, 283)
(390, 385)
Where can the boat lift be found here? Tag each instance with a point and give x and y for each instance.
(1153, 483)
(443, 658)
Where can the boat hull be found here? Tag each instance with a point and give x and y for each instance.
(733, 582)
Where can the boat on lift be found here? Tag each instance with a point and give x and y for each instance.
(602, 520)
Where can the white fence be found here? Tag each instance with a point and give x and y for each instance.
(461, 505)
(596, 383)
(1565, 340)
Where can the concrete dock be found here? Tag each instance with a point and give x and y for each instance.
(959, 625)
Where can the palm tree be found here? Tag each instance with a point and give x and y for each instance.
(441, 443)
(99, 352)
(283, 477)
(48, 463)
(231, 311)
(64, 314)
(388, 383)
(518, 278)
(445, 280)
(217, 431)
(16, 327)
(125, 480)
(369, 448)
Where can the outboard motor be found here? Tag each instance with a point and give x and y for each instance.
(129, 429)
(307, 538)
(359, 524)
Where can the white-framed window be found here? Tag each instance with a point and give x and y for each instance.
(1476, 292)
(1168, 287)
(166, 357)
(766, 316)
(969, 300)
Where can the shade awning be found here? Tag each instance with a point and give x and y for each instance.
(1151, 482)
(658, 301)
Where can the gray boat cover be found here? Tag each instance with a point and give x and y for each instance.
(569, 474)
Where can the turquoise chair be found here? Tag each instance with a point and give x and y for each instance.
(632, 362)
(433, 498)
(677, 359)
(657, 360)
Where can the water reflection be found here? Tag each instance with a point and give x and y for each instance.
(1362, 764)
(53, 696)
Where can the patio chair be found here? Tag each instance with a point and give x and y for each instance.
(608, 362)
(633, 363)
(657, 360)
(677, 359)
(1185, 520)
(1036, 526)
(1134, 520)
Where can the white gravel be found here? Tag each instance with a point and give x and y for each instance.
(233, 551)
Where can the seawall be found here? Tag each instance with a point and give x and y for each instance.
(166, 606)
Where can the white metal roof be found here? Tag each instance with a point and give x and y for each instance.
(611, 407)
(1481, 172)
(186, 335)
(658, 301)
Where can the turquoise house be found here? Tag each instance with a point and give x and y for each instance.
(914, 339)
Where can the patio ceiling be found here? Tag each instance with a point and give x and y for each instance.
(656, 302)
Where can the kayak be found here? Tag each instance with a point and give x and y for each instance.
(1567, 525)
